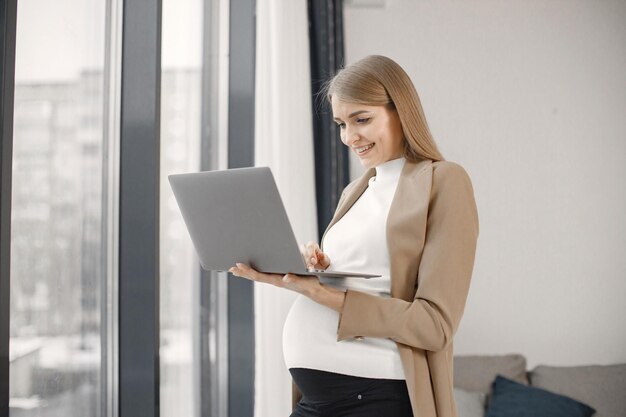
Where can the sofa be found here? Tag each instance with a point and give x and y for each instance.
(501, 386)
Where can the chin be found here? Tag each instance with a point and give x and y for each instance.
(368, 164)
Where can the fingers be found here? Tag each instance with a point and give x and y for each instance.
(305, 285)
(245, 271)
(303, 252)
(313, 255)
(240, 270)
(309, 254)
(322, 259)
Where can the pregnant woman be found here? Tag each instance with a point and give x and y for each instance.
(383, 346)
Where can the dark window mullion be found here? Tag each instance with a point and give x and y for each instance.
(139, 210)
(241, 154)
(8, 18)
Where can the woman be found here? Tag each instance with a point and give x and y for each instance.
(383, 346)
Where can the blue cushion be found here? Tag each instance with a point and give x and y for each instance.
(512, 399)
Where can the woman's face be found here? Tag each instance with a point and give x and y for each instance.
(373, 133)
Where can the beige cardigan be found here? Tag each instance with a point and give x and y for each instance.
(432, 230)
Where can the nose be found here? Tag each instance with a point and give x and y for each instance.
(350, 136)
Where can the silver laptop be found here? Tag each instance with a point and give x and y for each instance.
(237, 215)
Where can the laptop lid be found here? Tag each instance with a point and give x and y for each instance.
(237, 215)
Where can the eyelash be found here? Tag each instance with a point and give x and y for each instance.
(359, 121)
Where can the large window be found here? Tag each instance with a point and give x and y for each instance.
(80, 110)
(192, 302)
(181, 105)
(57, 244)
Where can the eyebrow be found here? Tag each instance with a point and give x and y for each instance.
(351, 115)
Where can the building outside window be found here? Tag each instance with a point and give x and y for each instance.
(57, 244)
(63, 322)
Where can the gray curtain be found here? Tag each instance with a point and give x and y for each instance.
(331, 156)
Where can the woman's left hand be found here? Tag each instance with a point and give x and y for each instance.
(306, 285)
(303, 284)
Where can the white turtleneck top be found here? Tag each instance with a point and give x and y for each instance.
(357, 243)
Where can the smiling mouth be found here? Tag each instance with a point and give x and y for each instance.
(363, 149)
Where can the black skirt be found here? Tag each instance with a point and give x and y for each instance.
(327, 394)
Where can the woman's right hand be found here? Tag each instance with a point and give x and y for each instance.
(314, 257)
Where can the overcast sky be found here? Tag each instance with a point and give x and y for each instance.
(57, 39)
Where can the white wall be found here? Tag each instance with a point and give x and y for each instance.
(530, 97)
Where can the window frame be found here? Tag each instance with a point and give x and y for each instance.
(241, 92)
(132, 109)
(8, 20)
(139, 173)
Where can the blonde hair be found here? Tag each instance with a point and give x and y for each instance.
(379, 81)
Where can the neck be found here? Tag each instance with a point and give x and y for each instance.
(390, 169)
